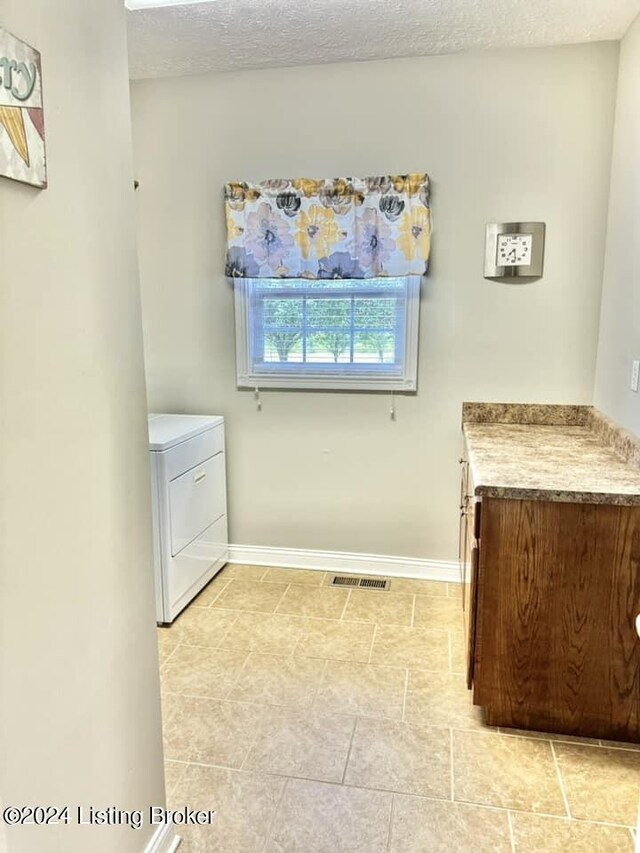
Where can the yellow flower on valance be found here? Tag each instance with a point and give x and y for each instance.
(307, 186)
(233, 230)
(334, 228)
(415, 233)
(317, 231)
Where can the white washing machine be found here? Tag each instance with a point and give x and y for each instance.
(188, 478)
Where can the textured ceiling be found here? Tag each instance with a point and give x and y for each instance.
(223, 35)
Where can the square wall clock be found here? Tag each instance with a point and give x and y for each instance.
(22, 139)
(514, 250)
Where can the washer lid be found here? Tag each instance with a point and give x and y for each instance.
(166, 431)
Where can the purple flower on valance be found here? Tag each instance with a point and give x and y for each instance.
(334, 228)
(373, 242)
(240, 264)
(267, 236)
(339, 265)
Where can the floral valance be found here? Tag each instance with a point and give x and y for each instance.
(334, 228)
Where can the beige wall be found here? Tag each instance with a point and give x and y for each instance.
(620, 324)
(505, 135)
(79, 693)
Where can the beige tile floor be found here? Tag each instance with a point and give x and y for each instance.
(316, 719)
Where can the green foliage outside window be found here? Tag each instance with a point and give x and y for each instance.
(330, 324)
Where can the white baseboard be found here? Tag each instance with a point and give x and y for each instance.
(339, 561)
(164, 840)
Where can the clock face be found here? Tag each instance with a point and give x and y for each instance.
(514, 250)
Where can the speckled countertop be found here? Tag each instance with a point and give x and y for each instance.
(556, 462)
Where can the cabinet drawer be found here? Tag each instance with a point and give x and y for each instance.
(185, 456)
(196, 500)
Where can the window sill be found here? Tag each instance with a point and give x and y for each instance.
(322, 382)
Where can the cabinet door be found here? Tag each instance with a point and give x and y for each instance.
(559, 588)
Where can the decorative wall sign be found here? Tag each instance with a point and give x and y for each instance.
(22, 138)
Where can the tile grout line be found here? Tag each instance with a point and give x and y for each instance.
(320, 617)
(453, 781)
(169, 791)
(393, 800)
(220, 591)
(450, 652)
(312, 705)
(413, 612)
(228, 631)
(280, 600)
(254, 740)
(516, 810)
(218, 645)
(623, 747)
(511, 836)
(163, 663)
(292, 653)
(353, 737)
(534, 734)
(404, 696)
(346, 604)
(267, 835)
(560, 781)
(339, 712)
(237, 678)
(373, 640)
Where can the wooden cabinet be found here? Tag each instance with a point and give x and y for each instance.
(552, 591)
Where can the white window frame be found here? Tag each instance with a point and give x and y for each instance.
(361, 378)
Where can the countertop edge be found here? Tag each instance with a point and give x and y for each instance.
(554, 496)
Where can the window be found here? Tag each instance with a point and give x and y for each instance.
(332, 334)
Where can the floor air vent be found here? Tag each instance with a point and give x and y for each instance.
(362, 583)
(374, 583)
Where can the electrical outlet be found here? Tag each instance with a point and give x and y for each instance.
(635, 375)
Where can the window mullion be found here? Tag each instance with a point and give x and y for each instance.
(257, 331)
(304, 329)
(352, 329)
(399, 343)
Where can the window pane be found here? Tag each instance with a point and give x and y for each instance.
(376, 313)
(282, 346)
(322, 313)
(283, 312)
(374, 348)
(328, 347)
(282, 329)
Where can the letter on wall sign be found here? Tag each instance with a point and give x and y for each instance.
(22, 138)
